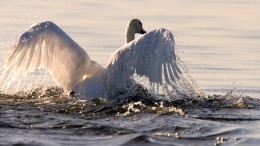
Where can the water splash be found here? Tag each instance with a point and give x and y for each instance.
(185, 87)
(140, 96)
(54, 99)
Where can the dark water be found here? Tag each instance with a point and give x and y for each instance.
(45, 116)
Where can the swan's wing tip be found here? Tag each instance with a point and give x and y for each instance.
(35, 29)
(43, 24)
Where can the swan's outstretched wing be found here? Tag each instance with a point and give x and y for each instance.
(151, 55)
(45, 45)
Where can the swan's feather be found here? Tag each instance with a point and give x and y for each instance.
(47, 46)
(151, 55)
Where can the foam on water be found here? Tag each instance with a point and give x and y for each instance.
(54, 99)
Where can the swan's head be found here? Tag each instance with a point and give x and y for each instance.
(134, 26)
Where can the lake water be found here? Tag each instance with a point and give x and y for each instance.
(217, 40)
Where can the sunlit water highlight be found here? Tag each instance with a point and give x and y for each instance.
(217, 40)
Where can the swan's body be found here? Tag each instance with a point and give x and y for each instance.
(45, 45)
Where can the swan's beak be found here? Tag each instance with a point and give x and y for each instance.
(142, 31)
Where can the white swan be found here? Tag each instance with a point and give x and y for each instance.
(45, 45)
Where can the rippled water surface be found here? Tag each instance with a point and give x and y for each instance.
(217, 40)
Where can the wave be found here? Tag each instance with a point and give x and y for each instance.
(141, 101)
(129, 119)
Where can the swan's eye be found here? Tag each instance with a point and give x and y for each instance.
(141, 24)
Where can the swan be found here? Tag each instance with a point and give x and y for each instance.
(45, 45)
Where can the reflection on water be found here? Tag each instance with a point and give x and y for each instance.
(218, 40)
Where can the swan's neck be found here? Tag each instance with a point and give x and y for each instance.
(130, 34)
